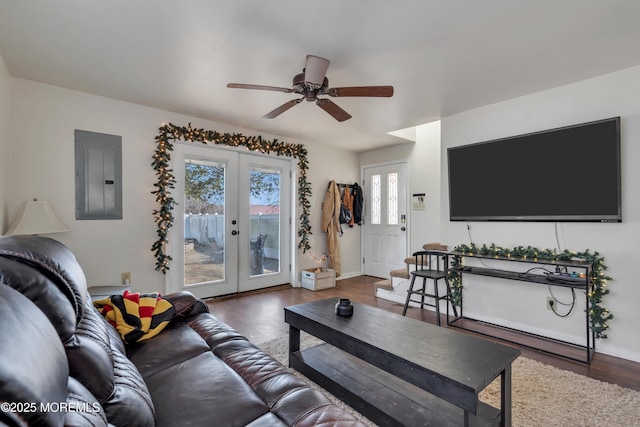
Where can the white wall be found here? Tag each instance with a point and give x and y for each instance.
(424, 173)
(44, 118)
(611, 95)
(5, 143)
(423, 162)
(330, 164)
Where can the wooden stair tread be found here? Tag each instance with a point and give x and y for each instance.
(383, 284)
(401, 273)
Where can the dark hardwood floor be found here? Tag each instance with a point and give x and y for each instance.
(260, 317)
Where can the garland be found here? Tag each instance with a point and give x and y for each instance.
(163, 216)
(598, 315)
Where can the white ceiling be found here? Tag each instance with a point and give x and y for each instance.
(442, 56)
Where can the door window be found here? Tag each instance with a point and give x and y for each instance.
(204, 221)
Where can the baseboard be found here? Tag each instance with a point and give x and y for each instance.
(528, 328)
(349, 275)
(400, 299)
(601, 345)
(617, 351)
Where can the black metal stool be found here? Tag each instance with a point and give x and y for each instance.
(433, 265)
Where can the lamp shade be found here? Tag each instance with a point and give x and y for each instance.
(36, 217)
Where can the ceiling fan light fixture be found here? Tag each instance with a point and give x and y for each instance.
(315, 70)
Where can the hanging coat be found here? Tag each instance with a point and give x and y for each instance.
(330, 224)
(347, 201)
(358, 204)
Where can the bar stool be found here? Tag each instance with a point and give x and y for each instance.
(432, 265)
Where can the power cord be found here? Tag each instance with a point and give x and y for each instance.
(471, 242)
(555, 301)
(324, 256)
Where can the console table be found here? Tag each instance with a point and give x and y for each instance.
(580, 353)
(399, 371)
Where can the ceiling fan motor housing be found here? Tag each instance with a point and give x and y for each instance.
(309, 91)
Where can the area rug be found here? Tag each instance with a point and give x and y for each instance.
(543, 395)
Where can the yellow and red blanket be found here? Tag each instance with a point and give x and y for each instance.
(136, 316)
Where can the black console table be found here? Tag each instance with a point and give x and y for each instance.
(580, 281)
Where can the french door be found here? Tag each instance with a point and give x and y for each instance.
(386, 222)
(235, 233)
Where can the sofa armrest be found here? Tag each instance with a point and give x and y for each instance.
(186, 304)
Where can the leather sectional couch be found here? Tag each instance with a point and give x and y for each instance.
(61, 363)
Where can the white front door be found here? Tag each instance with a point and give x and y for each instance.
(385, 226)
(235, 231)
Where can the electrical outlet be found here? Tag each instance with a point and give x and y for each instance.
(126, 278)
(551, 303)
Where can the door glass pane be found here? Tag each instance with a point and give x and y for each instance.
(204, 208)
(392, 198)
(375, 199)
(264, 217)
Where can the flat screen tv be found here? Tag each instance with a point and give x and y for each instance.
(566, 174)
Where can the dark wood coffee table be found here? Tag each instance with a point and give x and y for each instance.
(400, 371)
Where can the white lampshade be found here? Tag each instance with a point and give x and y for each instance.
(36, 217)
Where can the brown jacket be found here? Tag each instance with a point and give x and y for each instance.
(330, 224)
(347, 201)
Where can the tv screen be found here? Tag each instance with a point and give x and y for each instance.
(565, 174)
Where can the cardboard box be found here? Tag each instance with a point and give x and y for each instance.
(316, 279)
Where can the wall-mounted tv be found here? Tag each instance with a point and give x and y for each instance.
(565, 174)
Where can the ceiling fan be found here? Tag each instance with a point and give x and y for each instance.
(313, 82)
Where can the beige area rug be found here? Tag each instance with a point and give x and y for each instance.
(543, 395)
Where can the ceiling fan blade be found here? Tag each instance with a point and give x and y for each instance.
(378, 91)
(332, 108)
(315, 70)
(259, 87)
(281, 109)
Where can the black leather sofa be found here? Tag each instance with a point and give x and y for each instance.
(61, 363)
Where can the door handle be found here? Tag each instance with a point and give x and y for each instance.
(403, 228)
(234, 232)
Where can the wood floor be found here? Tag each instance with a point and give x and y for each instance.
(260, 317)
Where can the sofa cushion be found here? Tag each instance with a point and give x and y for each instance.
(42, 292)
(54, 266)
(267, 420)
(178, 343)
(90, 355)
(97, 359)
(288, 397)
(86, 412)
(213, 331)
(130, 404)
(33, 365)
(203, 391)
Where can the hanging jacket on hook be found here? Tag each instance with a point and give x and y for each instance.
(358, 204)
(330, 224)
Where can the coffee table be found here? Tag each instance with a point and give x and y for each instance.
(401, 371)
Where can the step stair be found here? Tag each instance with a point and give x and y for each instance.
(383, 284)
(401, 275)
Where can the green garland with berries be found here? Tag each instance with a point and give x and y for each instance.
(598, 315)
(163, 215)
